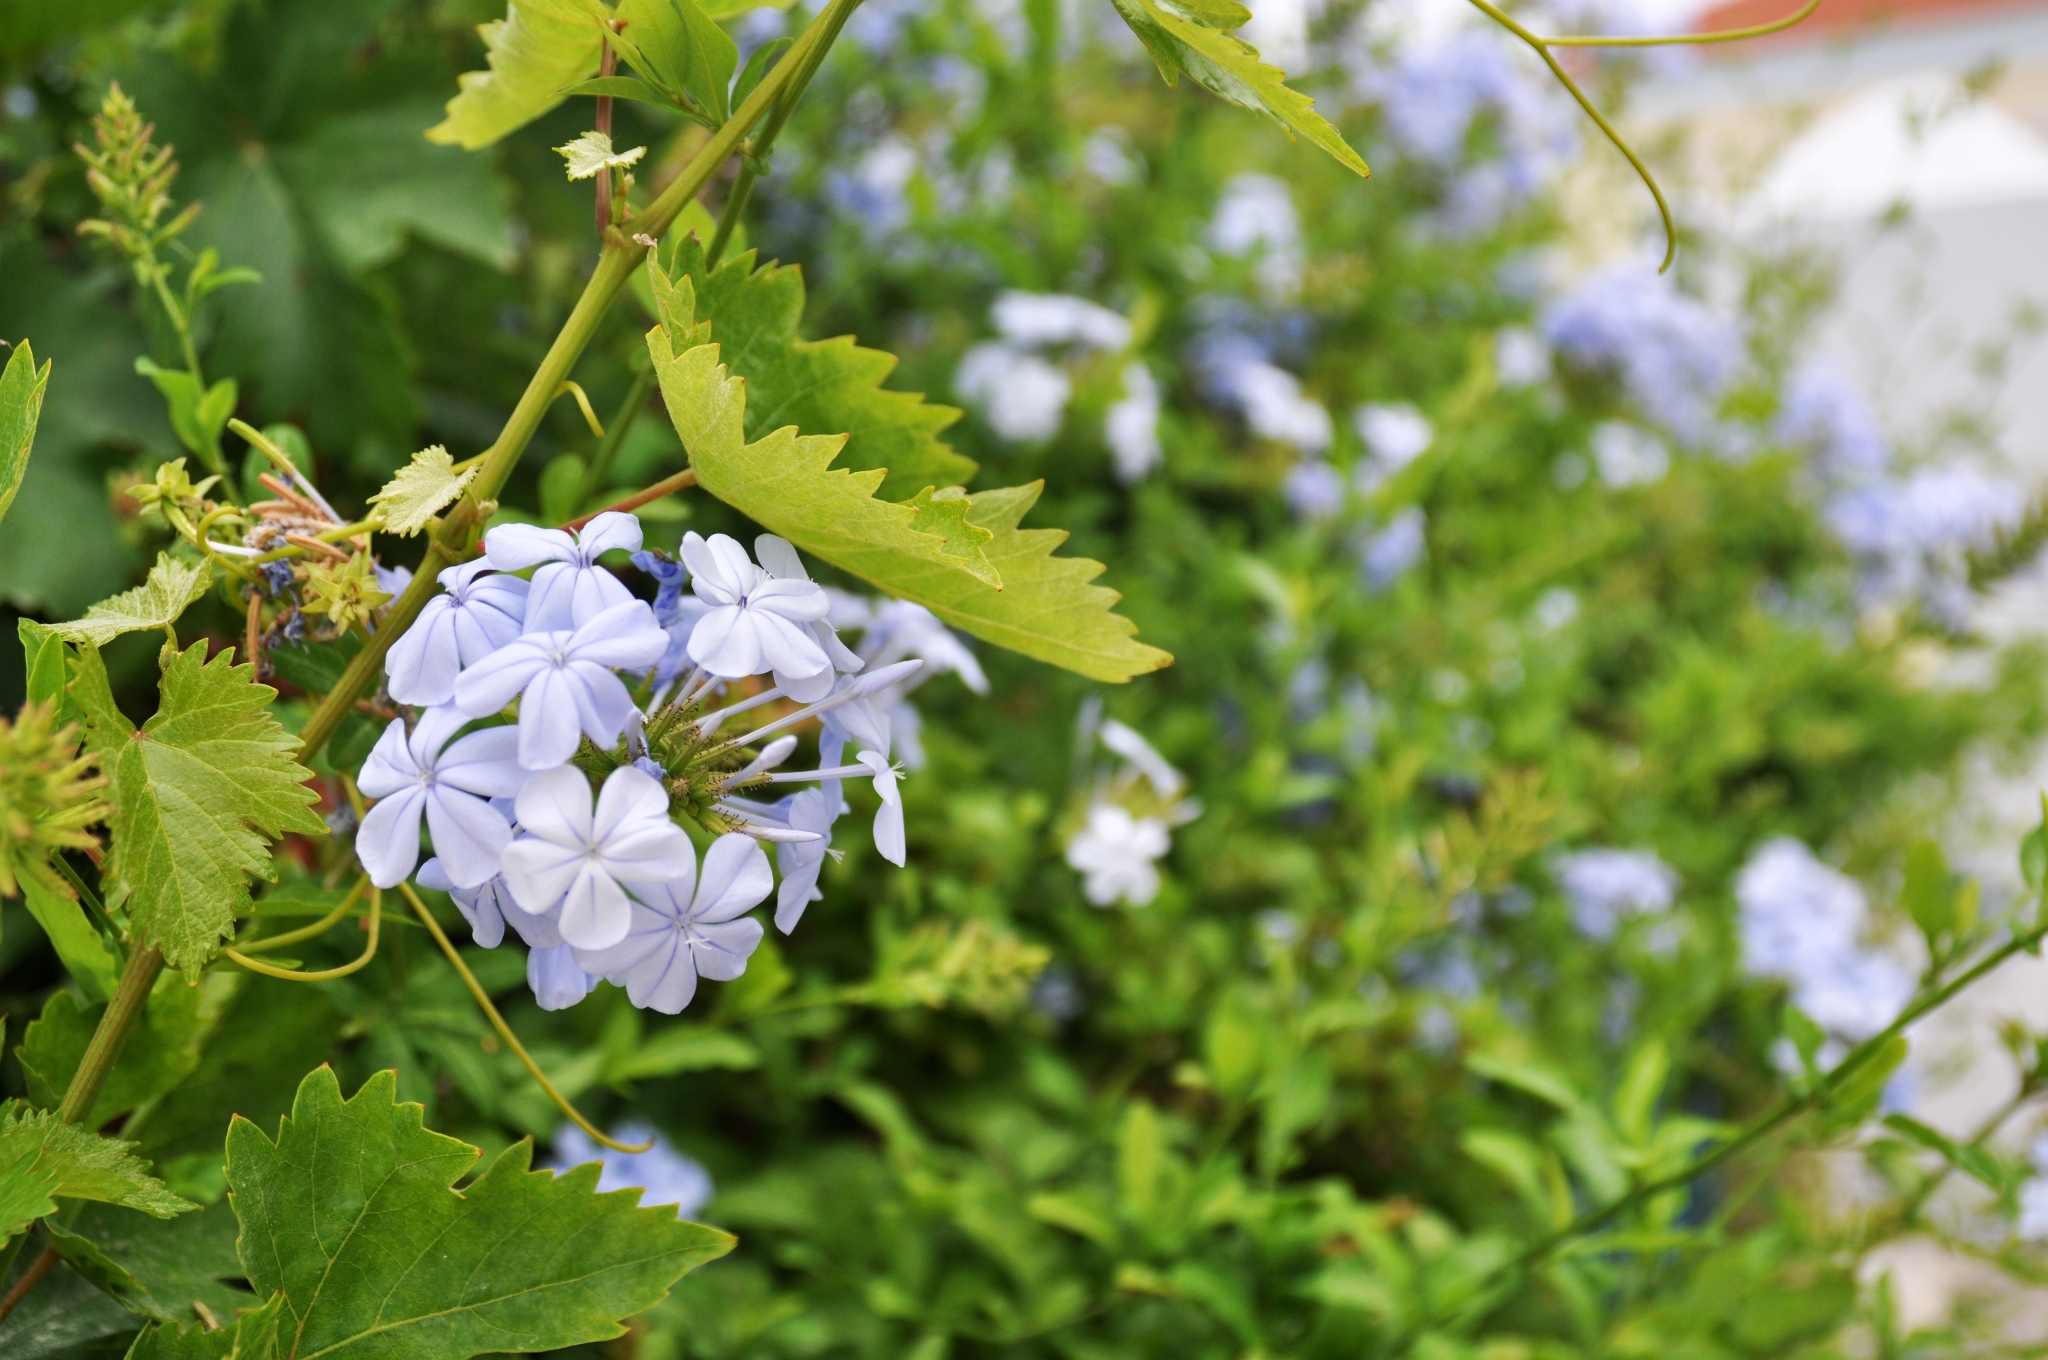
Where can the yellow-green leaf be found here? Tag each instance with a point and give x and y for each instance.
(1046, 607)
(41, 1156)
(156, 603)
(21, 405)
(1230, 68)
(421, 488)
(539, 47)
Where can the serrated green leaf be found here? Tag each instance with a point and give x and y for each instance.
(76, 1163)
(26, 1188)
(174, 1263)
(156, 603)
(22, 385)
(420, 489)
(196, 792)
(820, 386)
(518, 1260)
(785, 481)
(1230, 68)
(79, 946)
(171, 1341)
(593, 152)
(539, 47)
(945, 513)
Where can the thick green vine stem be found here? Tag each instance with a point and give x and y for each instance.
(621, 255)
(111, 1035)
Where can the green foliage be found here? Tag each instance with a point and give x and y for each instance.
(517, 1259)
(678, 49)
(420, 490)
(21, 405)
(785, 481)
(162, 1050)
(196, 793)
(534, 52)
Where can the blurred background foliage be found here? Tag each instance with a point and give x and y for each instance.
(1363, 1046)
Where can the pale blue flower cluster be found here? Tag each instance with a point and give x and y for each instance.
(1606, 887)
(535, 649)
(663, 1175)
(1675, 355)
(1803, 923)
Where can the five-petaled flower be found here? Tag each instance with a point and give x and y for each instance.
(569, 854)
(756, 622)
(480, 613)
(570, 589)
(688, 926)
(422, 771)
(565, 682)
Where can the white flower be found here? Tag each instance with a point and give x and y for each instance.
(479, 614)
(556, 981)
(593, 152)
(1274, 407)
(813, 810)
(663, 1174)
(686, 926)
(1520, 357)
(1256, 216)
(1606, 885)
(1395, 435)
(1021, 396)
(1116, 855)
(570, 589)
(1131, 429)
(778, 557)
(1165, 780)
(1628, 455)
(565, 682)
(1035, 320)
(568, 854)
(889, 817)
(756, 622)
(410, 774)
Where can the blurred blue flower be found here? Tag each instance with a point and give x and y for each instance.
(1675, 355)
(663, 1175)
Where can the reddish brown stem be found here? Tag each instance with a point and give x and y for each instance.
(665, 486)
(607, 63)
(35, 1272)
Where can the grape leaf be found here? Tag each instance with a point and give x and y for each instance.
(195, 792)
(40, 1152)
(539, 47)
(161, 1050)
(420, 489)
(21, 405)
(1045, 606)
(172, 1263)
(1230, 68)
(255, 1336)
(359, 1192)
(818, 385)
(170, 590)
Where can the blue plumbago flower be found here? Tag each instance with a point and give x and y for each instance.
(570, 589)
(1395, 434)
(1314, 490)
(1912, 536)
(576, 858)
(479, 614)
(277, 577)
(479, 906)
(687, 926)
(1605, 886)
(557, 983)
(756, 622)
(566, 682)
(1520, 357)
(663, 1175)
(1393, 551)
(1823, 412)
(778, 557)
(1802, 923)
(1127, 827)
(812, 810)
(451, 783)
(1674, 354)
(890, 631)
(1038, 320)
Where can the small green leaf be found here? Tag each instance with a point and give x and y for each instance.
(1515, 1160)
(1229, 67)
(173, 1263)
(197, 417)
(517, 1260)
(43, 658)
(2034, 854)
(419, 491)
(592, 152)
(757, 66)
(1929, 895)
(623, 87)
(539, 47)
(196, 792)
(161, 1051)
(22, 385)
(170, 1341)
(561, 487)
(728, 9)
(79, 1164)
(785, 482)
(1970, 1159)
(676, 46)
(1528, 1077)
(171, 589)
(1140, 1161)
(1219, 14)
(1635, 1100)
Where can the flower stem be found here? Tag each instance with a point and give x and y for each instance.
(483, 999)
(376, 921)
(665, 487)
(620, 256)
(108, 1038)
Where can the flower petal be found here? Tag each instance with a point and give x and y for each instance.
(388, 841)
(469, 836)
(722, 950)
(538, 873)
(493, 682)
(556, 981)
(423, 663)
(514, 547)
(555, 806)
(390, 765)
(614, 529)
(485, 763)
(595, 912)
(736, 878)
(550, 720)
